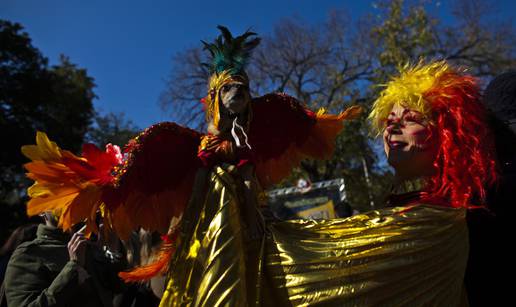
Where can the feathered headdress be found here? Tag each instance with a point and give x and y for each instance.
(229, 56)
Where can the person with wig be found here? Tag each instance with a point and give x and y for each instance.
(435, 131)
(414, 252)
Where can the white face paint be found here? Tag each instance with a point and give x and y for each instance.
(235, 97)
(409, 143)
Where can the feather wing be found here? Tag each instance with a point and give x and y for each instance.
(283, 133)
(65, 183)
(155, 183)
(151, 186)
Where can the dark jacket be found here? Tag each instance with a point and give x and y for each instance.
(40, 273)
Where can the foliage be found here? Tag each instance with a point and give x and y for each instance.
(34, 96)
(111, 128)
(406, 31)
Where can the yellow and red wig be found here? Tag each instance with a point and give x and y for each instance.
(451, 102)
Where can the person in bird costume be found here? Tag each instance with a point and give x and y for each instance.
(202, 191)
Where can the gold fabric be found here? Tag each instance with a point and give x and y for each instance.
(209, 266)
(391, 257)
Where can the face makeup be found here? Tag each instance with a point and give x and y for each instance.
(408, 142)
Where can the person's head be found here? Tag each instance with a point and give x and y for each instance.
(235, 96)
(433, 125)
(50, 218)
(409, 142)
(229, 97)
(500, 98)
(228, 90)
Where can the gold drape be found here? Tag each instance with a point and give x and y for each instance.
(391, 257)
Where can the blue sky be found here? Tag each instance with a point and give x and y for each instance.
(127, 46)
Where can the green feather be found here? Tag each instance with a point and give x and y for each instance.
(230, 53)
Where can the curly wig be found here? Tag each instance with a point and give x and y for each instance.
(451, 102)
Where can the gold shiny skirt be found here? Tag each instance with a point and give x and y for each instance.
(390, 257)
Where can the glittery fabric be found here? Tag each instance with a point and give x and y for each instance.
(398, 256)
(389, 257)
(209, 267)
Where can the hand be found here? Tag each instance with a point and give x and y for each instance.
(224, 149)
(77, 248)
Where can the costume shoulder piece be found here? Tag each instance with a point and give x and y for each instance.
(283, 133)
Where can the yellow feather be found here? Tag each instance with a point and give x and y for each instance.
(45, 150)
(321, 111)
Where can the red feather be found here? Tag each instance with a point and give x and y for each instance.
(156, 180)
(283, 133)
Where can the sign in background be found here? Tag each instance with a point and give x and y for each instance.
(320, 200)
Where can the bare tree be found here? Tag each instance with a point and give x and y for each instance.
(340, 62)
(486, 45)
(317, 64)
(186, 86)
(320, 65)
(407, 32)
